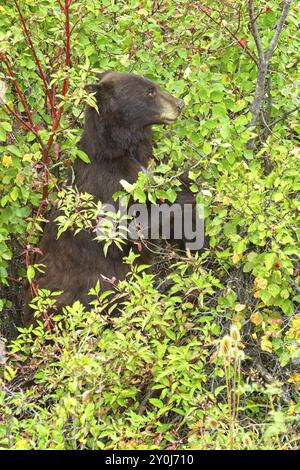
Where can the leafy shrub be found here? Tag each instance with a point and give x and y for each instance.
(153, 376)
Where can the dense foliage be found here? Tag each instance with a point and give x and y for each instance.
(206, 352)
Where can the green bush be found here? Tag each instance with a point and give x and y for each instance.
(155, 376)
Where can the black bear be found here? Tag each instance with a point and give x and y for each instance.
(118, 141)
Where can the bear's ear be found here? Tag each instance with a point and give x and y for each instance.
(106, 83)
(92, 88)
(101, 75)
(95, 87)
(103, 88)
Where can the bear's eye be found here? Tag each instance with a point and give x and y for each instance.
(151, 92)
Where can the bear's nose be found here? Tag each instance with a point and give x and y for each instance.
(181, 105)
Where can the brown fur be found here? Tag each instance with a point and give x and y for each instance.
(118, 141)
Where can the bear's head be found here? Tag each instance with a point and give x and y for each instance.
(132, 101)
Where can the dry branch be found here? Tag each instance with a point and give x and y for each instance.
(264, 58)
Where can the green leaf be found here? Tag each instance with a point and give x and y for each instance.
(6, 126)
(127, 186)
(287, 307)
(30, 273)
(83, 156)
(156, 402)
(2, 134)
(14, 193)
(207, 148)
(219, 111)
(273, 289)
(139, 195)
(270, 259)
(216, 96)
(172, 195)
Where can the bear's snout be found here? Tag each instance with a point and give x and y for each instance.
(170, 107)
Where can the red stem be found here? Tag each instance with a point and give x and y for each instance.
(33, 286)
(30, 127)
(18, 90)
(67, 59)
(54, 93)
(24, 123)
(42, 75)
(61, 6)
(56, 115)
(57, 118)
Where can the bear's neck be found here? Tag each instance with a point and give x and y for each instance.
(108, 141)
(115, 153)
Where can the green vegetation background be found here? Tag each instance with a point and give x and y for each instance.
(207, 357)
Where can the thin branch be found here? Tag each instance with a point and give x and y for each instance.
(233, 35)
(18, 90)
(273, 123)
(264, 60)
(255, 32)
(31, 125)
(67, 62)
(17, 116)
(61, 6)
(265, 123)
(42, 75)
(274, 40)
(239, 20)
(56, 120)
(67, 31)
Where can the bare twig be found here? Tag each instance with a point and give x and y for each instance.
(264, 59)
(274, 40)
(233, 35)
(255, 33)
(273, 123)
